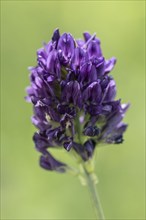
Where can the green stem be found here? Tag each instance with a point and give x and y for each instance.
(88, 171)
(94, 196)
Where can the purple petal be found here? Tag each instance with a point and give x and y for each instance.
(110, 92)
(66, 45)
(48, 162)
(40, 141)
(94, 50)
(78, 57)
(56, 35)
(93, 93)
(80, 42)
(68, 145)
(109, 64)
(87, 36)
(53, 65)
(91, 131)
(89, 148)
(72, 93)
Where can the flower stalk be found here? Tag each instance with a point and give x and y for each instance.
(94, 195)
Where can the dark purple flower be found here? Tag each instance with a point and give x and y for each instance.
(73, 98)
(49, 163)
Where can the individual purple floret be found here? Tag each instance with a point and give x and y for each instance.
(73, 97)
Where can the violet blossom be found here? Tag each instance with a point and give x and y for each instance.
(73, 97)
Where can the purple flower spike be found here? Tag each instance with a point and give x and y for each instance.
(73, 98)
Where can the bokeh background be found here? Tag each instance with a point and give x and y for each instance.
(29, 192)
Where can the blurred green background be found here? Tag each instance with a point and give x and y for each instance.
(29, 192)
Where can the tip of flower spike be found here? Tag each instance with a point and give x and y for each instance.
(56, 35)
